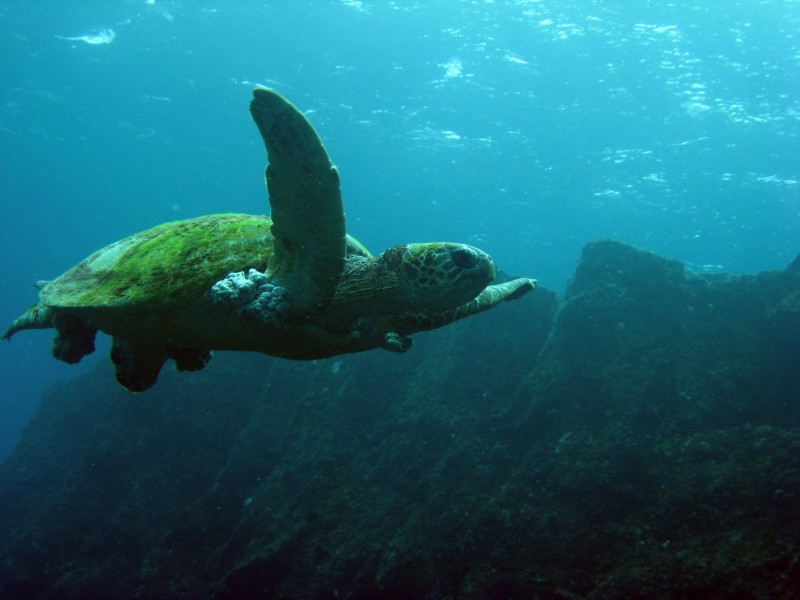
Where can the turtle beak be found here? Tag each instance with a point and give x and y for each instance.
(475, 264)
(492, 270)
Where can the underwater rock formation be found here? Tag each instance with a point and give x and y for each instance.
(639, 437)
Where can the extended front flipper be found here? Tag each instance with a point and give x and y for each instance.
(488, 298)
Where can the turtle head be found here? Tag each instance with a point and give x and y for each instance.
(440, 276)
(411, 278)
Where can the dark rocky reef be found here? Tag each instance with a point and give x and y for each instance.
(638, 438)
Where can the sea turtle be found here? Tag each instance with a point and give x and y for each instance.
(294, 285)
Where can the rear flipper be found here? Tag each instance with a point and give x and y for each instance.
(73, 339)
(189, 359)
(138, 365)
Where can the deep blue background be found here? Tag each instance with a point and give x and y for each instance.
(524, 127)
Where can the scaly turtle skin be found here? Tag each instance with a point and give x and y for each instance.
(293, 285)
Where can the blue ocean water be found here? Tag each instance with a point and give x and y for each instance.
(525, 127)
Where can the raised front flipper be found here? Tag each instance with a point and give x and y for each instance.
(307, 214)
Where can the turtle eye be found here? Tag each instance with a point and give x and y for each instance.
(464, 258)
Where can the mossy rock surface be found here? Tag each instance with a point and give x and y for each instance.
(635, 444)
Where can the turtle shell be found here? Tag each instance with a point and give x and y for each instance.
(172, 264)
